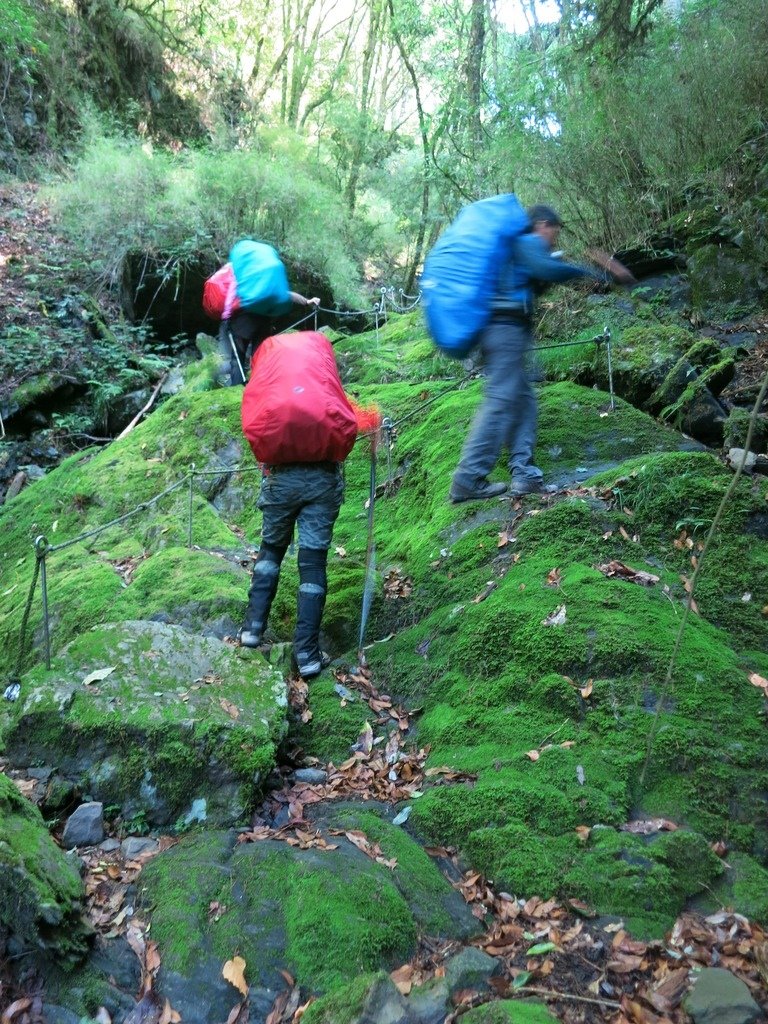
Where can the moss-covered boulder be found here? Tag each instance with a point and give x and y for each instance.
(326, 915)
(154, 721)
(723, 280)
(41, 893)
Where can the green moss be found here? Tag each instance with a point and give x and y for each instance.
(179, 887)
(743, 887)
(344, 1005)
(150, 731)
(416, 876)
(522, 861)
(332, 730)
(618, 872)
(340, 926)
(690, 856)
(40, 890)
(510, 1011)
(340, 917)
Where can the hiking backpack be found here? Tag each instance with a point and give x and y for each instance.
(462, 270)
(215, 292)
(294, 407)
(261, 281)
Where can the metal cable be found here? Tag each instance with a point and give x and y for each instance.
(120, 519)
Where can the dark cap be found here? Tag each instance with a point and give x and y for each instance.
(540, 212)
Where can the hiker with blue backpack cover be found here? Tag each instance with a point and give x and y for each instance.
(479, 286)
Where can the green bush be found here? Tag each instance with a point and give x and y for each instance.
(126, 194)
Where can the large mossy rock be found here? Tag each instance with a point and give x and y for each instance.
(179, 726)
(327, 915)
(41, 893)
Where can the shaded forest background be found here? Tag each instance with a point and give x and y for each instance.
(347, 132)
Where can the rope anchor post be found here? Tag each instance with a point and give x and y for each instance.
(606, 337)
(191, 504)
(388, 426)
(41, 550)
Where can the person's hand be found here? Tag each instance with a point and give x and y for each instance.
(312, 302)
(610, 264)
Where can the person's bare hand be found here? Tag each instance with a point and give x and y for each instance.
(313, 302)
(610, 264)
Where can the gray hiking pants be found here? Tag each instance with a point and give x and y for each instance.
(508, 413)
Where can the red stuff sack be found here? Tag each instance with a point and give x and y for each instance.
(215, 292)
(294, 407)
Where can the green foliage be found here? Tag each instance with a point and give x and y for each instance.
(125, 194)
(19, 30)
(685, 128)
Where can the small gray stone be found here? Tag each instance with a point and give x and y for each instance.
(85, 827)
(384, 1004)
(311, 775)
(109, 845)
(735, 457)
(719, 997)
(428, 1003)
(134, 846)
(41, 774)
(471, 968)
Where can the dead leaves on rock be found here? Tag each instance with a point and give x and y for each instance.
(369, 848)
(626, 572)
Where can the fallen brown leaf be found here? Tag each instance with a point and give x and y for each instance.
(234, 972)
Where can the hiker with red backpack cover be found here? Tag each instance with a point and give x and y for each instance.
(482, 291)
(248, 293)
(301, 426)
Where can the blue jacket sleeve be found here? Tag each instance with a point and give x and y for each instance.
(531, 256)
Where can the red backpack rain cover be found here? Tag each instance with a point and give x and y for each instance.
(217, 289)
(294, 407)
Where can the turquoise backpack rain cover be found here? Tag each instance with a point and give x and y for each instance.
(261, 280)
(462, 270)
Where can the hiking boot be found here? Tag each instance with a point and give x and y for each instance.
(250, 636)
(311, 665)
(483, 489)
(530, 485)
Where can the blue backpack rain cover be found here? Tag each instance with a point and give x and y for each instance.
(262, 283)
(462, 270)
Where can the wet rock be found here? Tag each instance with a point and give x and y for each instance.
(134, 846)
(471, 968)
(429, 1003)
(58, 1015)
(719, 997)
(109, 845)
(384, 1004)
(85, 827)
(311, 775)
(720, 275)
(60, 794)
(125, 407)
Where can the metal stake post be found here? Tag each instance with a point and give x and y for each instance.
(41, 550)
(191, 499)
(607, 336)
(389, 429)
